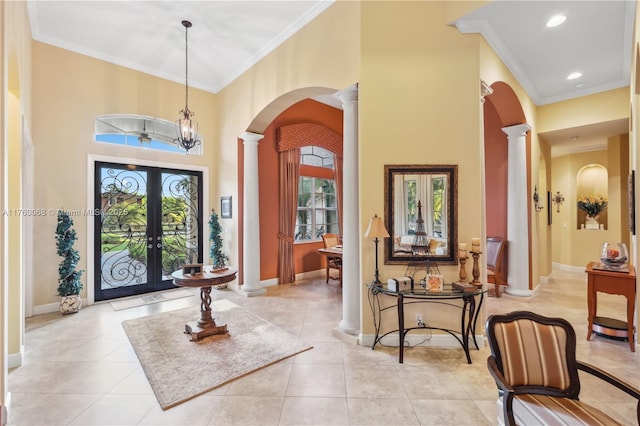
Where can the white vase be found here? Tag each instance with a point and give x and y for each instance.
(70, 304)
(591, 222)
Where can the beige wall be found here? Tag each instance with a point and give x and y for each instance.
(573, 247)
(424, 80)
(322, 57)
(598, 108)
(72, 90)
(15, 73)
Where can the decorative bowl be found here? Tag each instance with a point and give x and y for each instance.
(614, 254)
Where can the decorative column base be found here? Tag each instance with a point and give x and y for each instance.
(248, 292)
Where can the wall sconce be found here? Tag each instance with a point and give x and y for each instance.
(536, 199)
(558, 199)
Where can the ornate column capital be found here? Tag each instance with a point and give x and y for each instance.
(517, 130)
(348, 94)
(248, 137)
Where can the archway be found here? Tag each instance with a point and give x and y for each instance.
(508, 183)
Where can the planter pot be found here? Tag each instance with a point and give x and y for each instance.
(70, 304)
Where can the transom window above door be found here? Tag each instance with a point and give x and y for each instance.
(140, 131)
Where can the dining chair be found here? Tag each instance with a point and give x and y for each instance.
(533, 362)
(331, 240)
(496, 263)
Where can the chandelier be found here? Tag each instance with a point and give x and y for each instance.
(186, 127)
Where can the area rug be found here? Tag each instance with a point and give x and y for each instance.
(179, 369)
(148, 299)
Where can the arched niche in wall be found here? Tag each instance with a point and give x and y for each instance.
(592, 190)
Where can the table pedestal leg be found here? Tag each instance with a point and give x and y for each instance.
(206, 325)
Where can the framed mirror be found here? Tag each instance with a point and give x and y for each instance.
(421, 213)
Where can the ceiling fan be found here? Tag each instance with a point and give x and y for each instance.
(144, 137)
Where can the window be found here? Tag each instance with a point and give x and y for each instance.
(317, 204)
(317, 208)
(429, 190)
(140, 132)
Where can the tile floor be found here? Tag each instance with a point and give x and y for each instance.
(81, 370)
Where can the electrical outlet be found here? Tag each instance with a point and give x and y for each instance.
(419, 320)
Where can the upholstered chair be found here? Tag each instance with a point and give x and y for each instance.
(533, 361)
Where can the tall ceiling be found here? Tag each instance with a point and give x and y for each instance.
(228, 37)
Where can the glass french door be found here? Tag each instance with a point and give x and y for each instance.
(150, 224)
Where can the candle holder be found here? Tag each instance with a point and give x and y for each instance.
(476, 267)
(463, 271)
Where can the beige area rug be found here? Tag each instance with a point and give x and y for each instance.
(179, 369)
(148, 299)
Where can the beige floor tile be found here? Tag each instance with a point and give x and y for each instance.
(96, 378)
(314, 411)
(269, 381)
(381, 382)
(117, 410)
(322, 353)
(325, 380)
(195, 412)
(248, 410)
(451, 412)
(40, 409)
(387, 411)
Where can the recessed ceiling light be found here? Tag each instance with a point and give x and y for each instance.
(556, 20)
(574, 75)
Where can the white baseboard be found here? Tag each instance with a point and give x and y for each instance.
(422, 339)
(568, 268)
(4, 409)
(15, 359)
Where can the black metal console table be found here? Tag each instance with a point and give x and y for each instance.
(468, 317)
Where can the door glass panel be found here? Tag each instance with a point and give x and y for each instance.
(180, 221)
(123, 228)
(150, 227)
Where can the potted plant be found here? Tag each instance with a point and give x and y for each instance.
(218, 258)
(69, 284)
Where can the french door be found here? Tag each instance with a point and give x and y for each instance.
(150, 224)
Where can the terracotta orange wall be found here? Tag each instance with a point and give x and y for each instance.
(306, 257)
(496, 156)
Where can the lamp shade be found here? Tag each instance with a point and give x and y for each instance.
(376, 228)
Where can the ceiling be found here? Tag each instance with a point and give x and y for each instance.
(228, 37)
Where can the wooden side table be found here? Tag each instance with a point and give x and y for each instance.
(611, 282)
(206, 325)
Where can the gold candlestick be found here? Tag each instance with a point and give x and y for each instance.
(476, 267)
(463, 271)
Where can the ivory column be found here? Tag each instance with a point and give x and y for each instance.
(517, 211)
(351, 282)
(251, 228)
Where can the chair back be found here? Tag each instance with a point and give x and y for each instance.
(330, 240)
(495, 246)
(535, 351)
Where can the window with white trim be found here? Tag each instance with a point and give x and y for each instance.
(317, 205)
(140, 131)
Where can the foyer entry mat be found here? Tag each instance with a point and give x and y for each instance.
(179, 369)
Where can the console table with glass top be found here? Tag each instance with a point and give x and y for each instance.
(448, 296)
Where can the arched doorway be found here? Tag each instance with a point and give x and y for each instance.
(508, 183)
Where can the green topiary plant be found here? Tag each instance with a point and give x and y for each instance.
(218, 258)
(68, 278)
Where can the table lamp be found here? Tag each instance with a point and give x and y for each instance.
(376, 230)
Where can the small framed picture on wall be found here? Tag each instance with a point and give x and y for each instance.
(225, 207)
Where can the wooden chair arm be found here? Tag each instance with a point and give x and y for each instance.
(506, 391)
(612, 380)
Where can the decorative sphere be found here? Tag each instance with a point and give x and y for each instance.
(614, 254)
